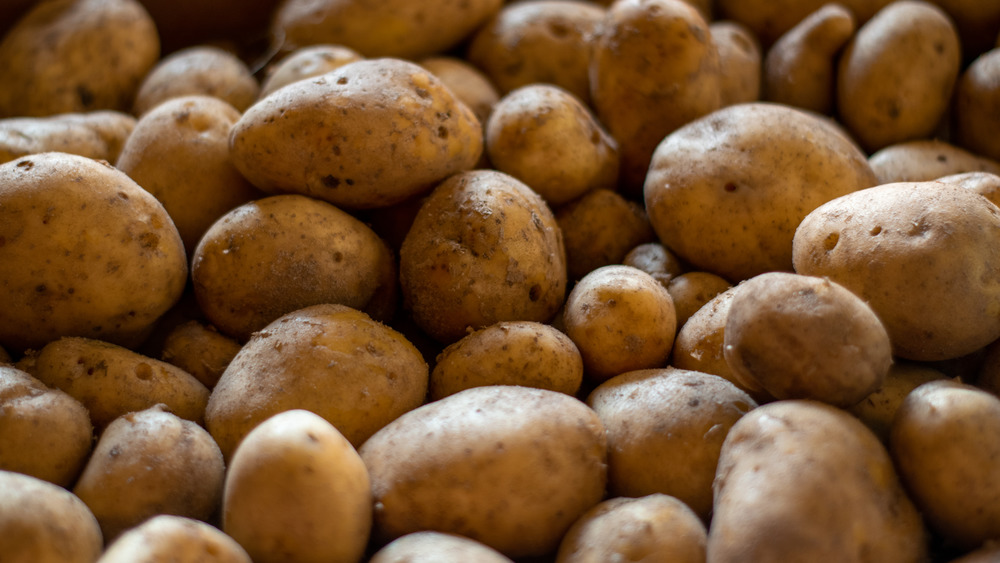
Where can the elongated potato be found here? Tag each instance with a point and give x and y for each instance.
(926, 159)
(97, 134)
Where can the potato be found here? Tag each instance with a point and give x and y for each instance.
(739, 62)
(599, 228)
(457, 466)
(926, 159)
(985, 184)
(945, 440)
(272, 256)
(200, 350)
(398, 131)
(436, 547)
(727, 191)
(653, 527)
(97, 134)
(179, 152)
(201, 70)
(44, 432)
(805, 481)
(112, 283)
(307, 62)
(804, 337)
(691, 291)
(896, 76)
(121, 487)
(654, 68)
(977, 94)
(543, 41)
(899, 244)
(800, 68)
(523, 353)
(297, 490)
(977, 22)
(656, 260)
(70, 56)
(548, 139)
(174, 538)
(483, 248)
(665, 430)
(621, 319)
(467, 82)
(44, 523)
(985, 554)
(879, 408)
(385, 28)
(329, 359)
(771, 19)
(112, 381)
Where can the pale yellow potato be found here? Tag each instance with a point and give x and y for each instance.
(665, 431)
(656, 260)
(200, 70)
(805, 481)
(692, 290)
(976, 94)
(458, 465)
(335, 361)
(307, 62)
(56, 59)
(112, 381)
(879, 408)
(200, 350)
(467, 82)
(525, 353)
(97, 134)
(740, 62)
(397, 131)
(621, 319)
(44, 523)
(986, 184)
(926, 159)
(600, 228)
(436, 547)
(110, 283)
(945, 440)
(176, 539)
(654, 527)
(296, 490)
(179, 152)
(44, 432)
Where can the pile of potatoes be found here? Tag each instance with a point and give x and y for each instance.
(537, 281)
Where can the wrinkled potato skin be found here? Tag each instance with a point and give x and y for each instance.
(174, 538)
(599, 228)
(740, 62)
(925, 160)
(198, 71)
(435, 547)
(977, 97)
(200, 350)
(307, 62)
(98, 135)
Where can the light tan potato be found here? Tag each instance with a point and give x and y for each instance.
(44, 432)
(436, 547)
(179, 152)
(112, 381)
(726, 192)
(398, 131)
(740, 62)
(97, 134)
(945, 440)
(544, 41)
(800, 68)
(381, 28)
(111, 283)
(522, 353)
(272, 256)
(56, 58)
(896, 76)
(599, 228)
(329, 359)
(656, 260)
(654, 68)
(665, 431)
(653, 527)
(691, 291)
(483, 248)
(176, 539)
(904, 243)
(621, 319)
(147, 463)
(771, 19)
(926, 159)
(201, 70)
(548, 139)
(804, 337)
(775, 499)
(307, 62)
(44, 523)
(879, 408)
(297, 490)
(200, 350)
(976, 96)
(467, 82)
(457, 466)
(986, 184)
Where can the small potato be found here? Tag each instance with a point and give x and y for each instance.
(198, 71)
(879, 408)
(296, 490)
(925, 160)
(467, 82)
(548, 139)
(656, 260)
(976, 96)
(307, 62)
(97, 134)
(147, 463)
(691, 291)
(655, 527)
(44, 432)
(522, 353)
(621, 319)
(945, 440)
(772, 19)
(665, 430)
(739, 62)
(44, 523)
(200, 350)
(176, 539)
(599, 228)
(896, 76)
(436, 547)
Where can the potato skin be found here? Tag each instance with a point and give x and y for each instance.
(198, 71)
(436, 547)
(174, 538)
(200, 350)
(925, 160)
(740, 62)
(976, 97)
(307, 62)
(97, 134)
(599, 228)
(878, 409)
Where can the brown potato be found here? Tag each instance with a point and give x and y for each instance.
(436, 547)
(739, 62)
(985, 184)
(656, 260)
(925, 160)
(97, 134)
(200, 350)
(976, 96)
(599, 228)
(307, 62)
(174, 538)
(691, 291)
(771, 19)
(467, 82)
(879, 408)
(198, 71)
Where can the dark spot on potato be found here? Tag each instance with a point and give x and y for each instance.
(71, 290)
(336, 150)
(535, 293)
(123, 195)
(149, 240)
(875, 231)
(694, 402)
(26, 164)
(85, 95)
(729, 187)
(939, 48)
(40, 288)
(331, 181)
(831, 240)
(942, 158)
(443, 132)
(559, 29)
(143, 371)
(423, 93)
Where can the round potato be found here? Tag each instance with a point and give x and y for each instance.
(96, 134)
(200, 350)
(926, 159)
(174, 538)
(976, 96)
(436, 547)
(599, 228)
(691, 291)
(201, 70)
(307, 62)
(467, 82)
(656, 260)
(739, 62)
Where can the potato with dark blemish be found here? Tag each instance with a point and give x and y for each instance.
(740, 62)
(305, 63)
